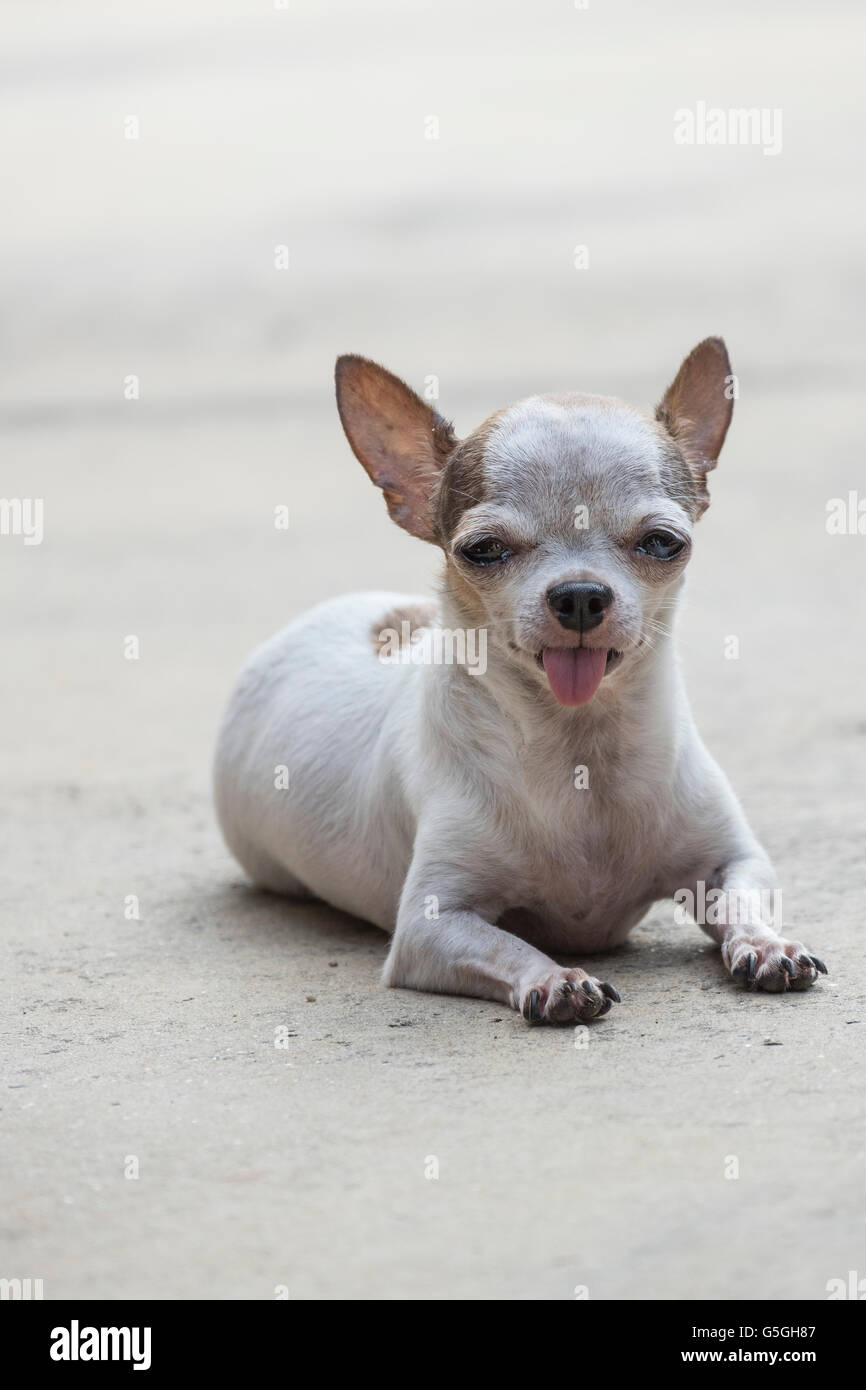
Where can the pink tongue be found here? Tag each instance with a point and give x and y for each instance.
(574, 672)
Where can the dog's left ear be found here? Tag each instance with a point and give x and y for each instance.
(696, 410)
(401, 441)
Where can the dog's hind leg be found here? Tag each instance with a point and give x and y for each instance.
(267, 872)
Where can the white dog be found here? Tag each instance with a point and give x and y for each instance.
(540, 797)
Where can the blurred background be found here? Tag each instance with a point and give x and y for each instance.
(204, 204)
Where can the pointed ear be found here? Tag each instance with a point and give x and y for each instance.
(400, 440)
(696, 410)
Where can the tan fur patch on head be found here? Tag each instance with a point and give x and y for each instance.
(462, 484)
(417, 615)
(678, 479)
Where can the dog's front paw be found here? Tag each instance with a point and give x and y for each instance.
(771, 963)
(567, 996)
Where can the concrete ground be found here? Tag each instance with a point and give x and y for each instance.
(146, 1045)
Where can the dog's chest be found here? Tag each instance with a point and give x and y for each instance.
(585, 873)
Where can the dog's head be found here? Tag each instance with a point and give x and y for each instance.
(566, 521)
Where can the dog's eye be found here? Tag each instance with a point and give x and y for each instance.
(487, 551)
(660, 545)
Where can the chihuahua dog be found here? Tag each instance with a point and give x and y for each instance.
(492, 816)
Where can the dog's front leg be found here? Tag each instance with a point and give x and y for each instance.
(449, 949)
(740, 914)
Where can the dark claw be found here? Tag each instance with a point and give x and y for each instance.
(605, 1008)
(589, 988)
(568, 987)
(532, 1007)
(612, 993)
(746, 969)
(819, 965)
(788, 964)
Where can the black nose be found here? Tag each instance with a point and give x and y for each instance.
(580, 606)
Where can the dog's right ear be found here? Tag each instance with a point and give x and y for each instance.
(400, 440)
